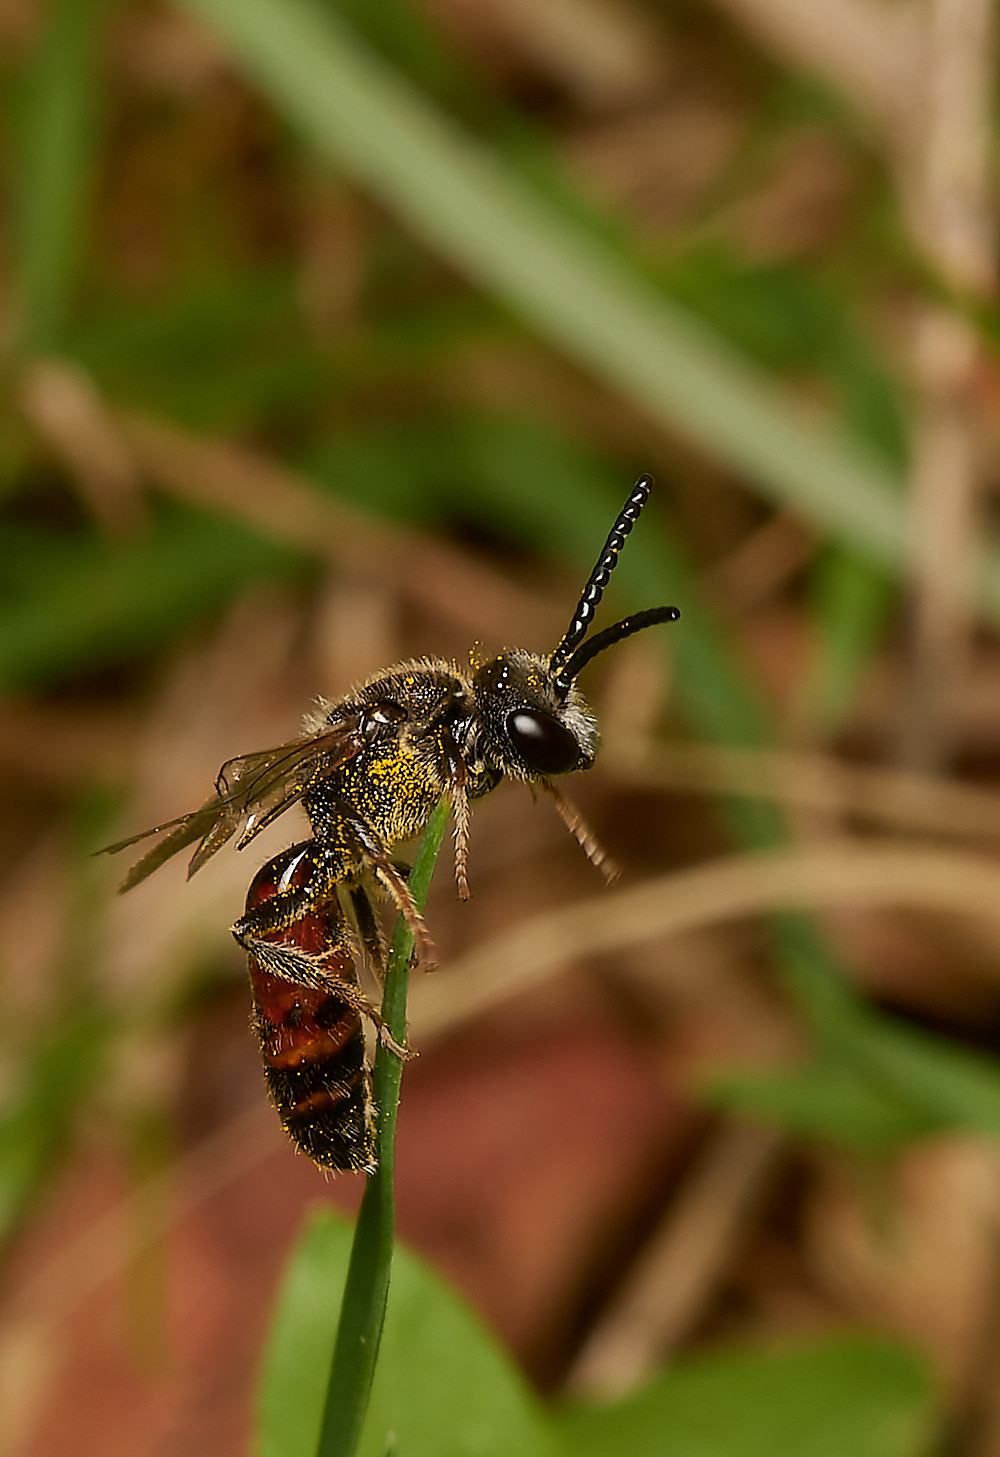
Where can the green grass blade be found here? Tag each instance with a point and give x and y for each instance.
(583, 298)
(56, 145)
(367, 1290)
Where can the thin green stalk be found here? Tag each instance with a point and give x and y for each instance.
(367, 1289)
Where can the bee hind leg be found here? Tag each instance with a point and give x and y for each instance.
(302, 968)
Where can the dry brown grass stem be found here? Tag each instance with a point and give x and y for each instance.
(950, 199)
(943, 485)
(105, 449)
(680, 1269)
(895, 798)
(868, 51)
(843, 874)
(756, 570)
(946, 186)
(62, 405)
(246, 485)
(605, 52)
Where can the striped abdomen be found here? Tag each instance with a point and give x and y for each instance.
(311, 1041)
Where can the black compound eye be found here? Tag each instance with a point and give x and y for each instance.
(544, 744)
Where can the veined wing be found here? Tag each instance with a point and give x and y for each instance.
(251, 791)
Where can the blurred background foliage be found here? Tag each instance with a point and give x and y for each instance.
(336, 333)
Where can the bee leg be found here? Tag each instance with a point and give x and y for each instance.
(375, 853)
(300, 968)
(374, 944)
(288, 963)
(460, 805)
(582, 833)
(307, 885)
(458, 793)
(357, 1001)
(369, 931)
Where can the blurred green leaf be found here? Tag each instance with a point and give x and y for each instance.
(70, 605)
(512, 478)
(827, 1099)
(878, 1083)
(851, 602)
(849, 1397)
(393, 468)
(56, 1070)
(950, 1084)
(442, 1388)
(56, 138)
(218, 351)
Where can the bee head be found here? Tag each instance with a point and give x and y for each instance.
(532, 730)
(536, 720)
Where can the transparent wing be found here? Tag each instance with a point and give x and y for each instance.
(250, 792)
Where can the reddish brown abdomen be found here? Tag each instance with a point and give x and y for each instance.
(311, 1042)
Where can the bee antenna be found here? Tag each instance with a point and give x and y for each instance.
(609, 636)
(569, 658)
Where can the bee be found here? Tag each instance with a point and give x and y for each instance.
(368, 769)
